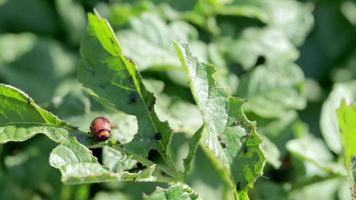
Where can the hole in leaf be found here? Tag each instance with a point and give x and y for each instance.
(238, 186)
(138, 167)
(260, 60)
(221, 141)
(98, 152)
(153, 155)
(244, 148)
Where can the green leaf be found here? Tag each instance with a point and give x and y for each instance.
(346, 117)
(21, 119)
(273, 90)
(115, 81)
(231, 139)
(270, 43)
(328, 118)
(174, 192)
(78, 165)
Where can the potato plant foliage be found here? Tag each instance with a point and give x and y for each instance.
(206, 100)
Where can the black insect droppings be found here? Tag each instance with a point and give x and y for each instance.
(238, 186)
(112, 40)
(223, 145)
(102, 86)
(244, 148)
(235, 123)
(221, 141)
(130, 60)
(151, 104)
(30, 101)
(133, 97)
(158, 136)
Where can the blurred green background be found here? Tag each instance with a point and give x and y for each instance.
(293, 61)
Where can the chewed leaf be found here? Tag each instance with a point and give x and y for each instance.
(115, 81)
(78, 165)
(21, 118)
(175, 191)
(231, 139)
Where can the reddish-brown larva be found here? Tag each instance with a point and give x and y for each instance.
(100, 128)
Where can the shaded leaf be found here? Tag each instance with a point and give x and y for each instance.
(13, 46)
(231, 139)
(272, 153)
(73, 17)
(292, 17)
(348, 8)
(36, 60)
(273, 90)
(268, 43)
(312, 150)
(149, 42)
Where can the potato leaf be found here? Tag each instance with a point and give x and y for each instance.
(346, 115)
(270, 43)
(329, 119)
(273, 90)
(148, 42)
(175, 191)
(115, 81)
(21, 118)
(231, 139)
(78, 165)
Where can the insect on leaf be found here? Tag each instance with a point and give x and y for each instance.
(114, 80)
